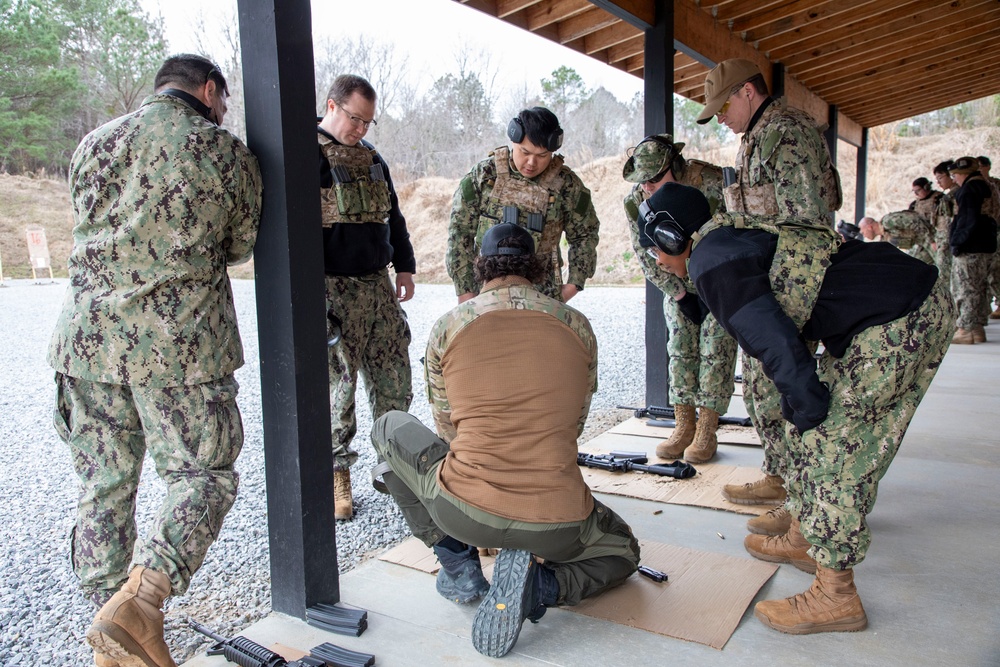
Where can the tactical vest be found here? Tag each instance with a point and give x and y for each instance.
(707, 178)
(360, 191)
(800, 260)
(752, 194)
(927, 208)
(531, 203)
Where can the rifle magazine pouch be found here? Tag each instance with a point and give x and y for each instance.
(536, 222)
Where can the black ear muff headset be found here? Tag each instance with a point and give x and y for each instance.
(516, 133)
(663, 230)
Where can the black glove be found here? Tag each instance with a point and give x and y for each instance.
(818, 412)
(693, 308)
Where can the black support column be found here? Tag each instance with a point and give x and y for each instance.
(831, 134)
(276, 38)
(862, 182)
(658, 80)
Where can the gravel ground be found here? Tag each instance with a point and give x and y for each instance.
(43, 616)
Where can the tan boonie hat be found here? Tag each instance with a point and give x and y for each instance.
(650, 157)
(721, 80)
(964, 165)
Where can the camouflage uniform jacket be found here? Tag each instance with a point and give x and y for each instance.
(702, 175)
(784, 169)
(945, 213)
(557, 194)
(927, 207)
(911, 232)
(163, 201)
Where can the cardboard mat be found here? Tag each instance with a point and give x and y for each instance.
(703, 600)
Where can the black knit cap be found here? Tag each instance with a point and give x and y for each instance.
(684, 203)
(524, 245)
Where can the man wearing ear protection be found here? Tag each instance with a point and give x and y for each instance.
(146, 346)
(885, 320)
(783, 167)
(526, 184)
(510, 375)
(701, 354)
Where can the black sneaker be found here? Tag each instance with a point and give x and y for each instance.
(511, 599)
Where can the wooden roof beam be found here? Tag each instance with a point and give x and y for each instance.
(552, 12)
(793, 16)
(984, 73)
(608, 37)
(505, 8)
(733, 11)
(587, 23)
(873, 116)
(628, 49)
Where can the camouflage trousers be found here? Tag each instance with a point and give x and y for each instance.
(968, 283)
(943, 256)
(375, 342)
(834, 469)
(702, 358)
(994, 274)
(193, 434)
(588, 556)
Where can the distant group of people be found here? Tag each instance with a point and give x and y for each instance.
(147, 343)
(954, 228)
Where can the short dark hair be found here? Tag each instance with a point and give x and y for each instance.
(531, 267)
(944, 167)
(984, 161)
(922, 183)
(539, 124)
(189, 71)
(346, 85)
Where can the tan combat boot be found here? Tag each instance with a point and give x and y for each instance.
(702, 450)
(767, 491)
(128, 630)
(101, 660)
(788, 548)
(683, 435)
(831, 604)
(963, 337)
(995, 315)
(979, 334)
(774, 522)
(343, 501)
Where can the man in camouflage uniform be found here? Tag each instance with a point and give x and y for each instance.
(910, 232)
(146, 346)
(701, 354)
(776, 282)
(783, 169)
(363, 231)
(985, 164)
(527, 184)
(973, 241)
(943, 215)
(510, 375)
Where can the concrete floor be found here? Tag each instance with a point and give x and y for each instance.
(929, 584)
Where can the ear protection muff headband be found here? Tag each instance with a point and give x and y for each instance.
(663, 230)
(516, 133)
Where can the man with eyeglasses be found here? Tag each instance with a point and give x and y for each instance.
(527, 184)
(701, 354)
(145, 349)
(943, 216)
(363, 232)
(783, 168)
(885, 320)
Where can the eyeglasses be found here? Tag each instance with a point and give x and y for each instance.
(725, 107)
(656, 179)
(360, 122)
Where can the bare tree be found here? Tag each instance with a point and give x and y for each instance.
(378, 61)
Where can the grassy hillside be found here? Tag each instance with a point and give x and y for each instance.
(892, 165)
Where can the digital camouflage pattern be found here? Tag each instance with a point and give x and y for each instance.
(784, 169)
(147, 341)
(557, 194)
(650, 158)
(701, 357)
(501, 297)
(360, 191)
(969, 273)
(944, 213)
(163, 202)
(834, 469)
(193, 434)
(910, 232)
(375, 342)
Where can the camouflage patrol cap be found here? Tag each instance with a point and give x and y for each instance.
(651, 157)
(721, 80)
(522, 244)
(964, 165)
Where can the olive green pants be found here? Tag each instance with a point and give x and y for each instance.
(587, 556)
